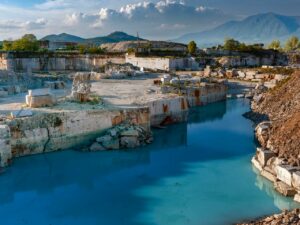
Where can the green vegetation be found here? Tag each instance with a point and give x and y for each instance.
(83, 49)
(234, 45)
(130, 50)
(292, 44)
(275, 45)
(28, 42)
(192, 47)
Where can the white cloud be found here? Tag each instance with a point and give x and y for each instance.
(163, 19)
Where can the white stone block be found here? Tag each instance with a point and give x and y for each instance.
(296, 180)
(39, 92)
(284, 173)
(264, 155)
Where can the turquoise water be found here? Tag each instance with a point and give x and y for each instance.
(196, 173)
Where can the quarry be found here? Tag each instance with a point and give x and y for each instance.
(56, 101)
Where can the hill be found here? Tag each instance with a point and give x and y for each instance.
(111, 38)
(258, 28)
(63, 38)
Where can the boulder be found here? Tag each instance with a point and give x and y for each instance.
(95, 147)
(241, 74)
(113, 144)
(105, 138)
(130, 142)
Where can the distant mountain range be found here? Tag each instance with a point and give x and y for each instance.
(262, 28)
(111, 38)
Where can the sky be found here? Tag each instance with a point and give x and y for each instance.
(152, 19)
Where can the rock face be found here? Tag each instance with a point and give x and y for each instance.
(81, 88)
(291, 218)
(279, 157)
(123, 136)
(282, 106)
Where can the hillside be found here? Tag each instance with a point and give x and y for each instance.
(258, 28)
(282, 106)
(111, 38)
(63, 38)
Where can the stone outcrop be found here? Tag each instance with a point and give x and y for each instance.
(81, 87)
(123, 136)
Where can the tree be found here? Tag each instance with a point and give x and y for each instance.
(292, 43)
(27, 43)
(29, 37)
(192, 47)
(275, 45)
(231, 44)
(7, 45)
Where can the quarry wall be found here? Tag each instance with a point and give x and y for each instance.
(56, 62)
(56, 131)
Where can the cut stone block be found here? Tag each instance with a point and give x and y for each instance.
(40, 101)
(296, 180)
(284, 173)
(285, 189)
(256, 164)
(264, 155)
(297, 197)
(266, 174)
(39, 92)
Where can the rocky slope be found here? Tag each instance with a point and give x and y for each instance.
(289, 218)
(282, 106)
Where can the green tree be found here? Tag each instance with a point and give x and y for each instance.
(27, 43)
(192, 47)
(231, 44)
(7, 45)
(292, 43)
(275, 45)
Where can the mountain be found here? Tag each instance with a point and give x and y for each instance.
(63, 38)
(258, 28)
(111, 38)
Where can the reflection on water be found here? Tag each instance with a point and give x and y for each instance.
(194, 173)
(280, 201)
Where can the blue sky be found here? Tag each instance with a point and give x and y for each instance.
(155, 19)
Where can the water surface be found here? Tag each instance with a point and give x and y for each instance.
(195, 173)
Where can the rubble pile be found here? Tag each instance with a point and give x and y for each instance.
(289, 218)
(123, 136)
